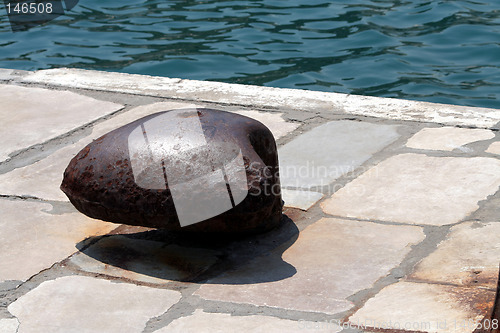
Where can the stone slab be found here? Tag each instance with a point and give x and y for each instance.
(9, 325)
(418, 189)
(331, 260)
(447, 138)
(85, 304)
(300, 199)
(144, 260)
(425, 307)
(200, 91)
(494, 148)
(298, 115)
(469, 256)
(43, 178)
(201, 321)
(5, 73)
(274, 121)
(31, 116)
(345, 145)
(402, 109)
(267, 97)
(33, 239)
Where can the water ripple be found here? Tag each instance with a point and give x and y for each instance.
(438, 51)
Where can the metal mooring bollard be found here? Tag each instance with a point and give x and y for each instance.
(196, 170)
(495, 313)
(491, 322)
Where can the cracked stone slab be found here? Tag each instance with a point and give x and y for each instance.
(33, 239)
(144, 260)
(425, 307)
(86, 304)
(43, 178)
(494, 148)
(418, 189)
(274, 121)
(447, 138)
(299, 115)
(9, 325)
(345, 145)
(201, 321)
(300, 199)
(331, 260)
(31, 116)
(469, 256)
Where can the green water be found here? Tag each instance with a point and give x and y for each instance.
(438, 51)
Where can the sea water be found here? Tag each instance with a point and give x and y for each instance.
(437, 51)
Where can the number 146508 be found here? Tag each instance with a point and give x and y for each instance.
(29, 8)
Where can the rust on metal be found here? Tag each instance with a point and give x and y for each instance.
(491, 322)
(137, 174)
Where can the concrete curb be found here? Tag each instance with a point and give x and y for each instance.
(261, 97)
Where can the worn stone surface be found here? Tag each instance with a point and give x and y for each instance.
(300, 199)
(266, 97)
(144, 260)
(345, 146)
(33, 239)
(140, 259)
(201, 321)
(274, 121)
(494, 148)
(414, 188)
(224, 93)
(85, 304)
(425, 307)
(33, 115)
(333, 259)
(299, 115)
(393, 108)
(40, 179)
(469, 256)
(173, 169)
(447, 138)
(5, 73)
(43, 178)
(9, 325)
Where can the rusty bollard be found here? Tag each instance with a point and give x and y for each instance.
(491, 322)
(193, 170)
(495, 313)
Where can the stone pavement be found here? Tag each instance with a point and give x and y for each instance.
(392, 216)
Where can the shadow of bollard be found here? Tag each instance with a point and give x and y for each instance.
(160, 256)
